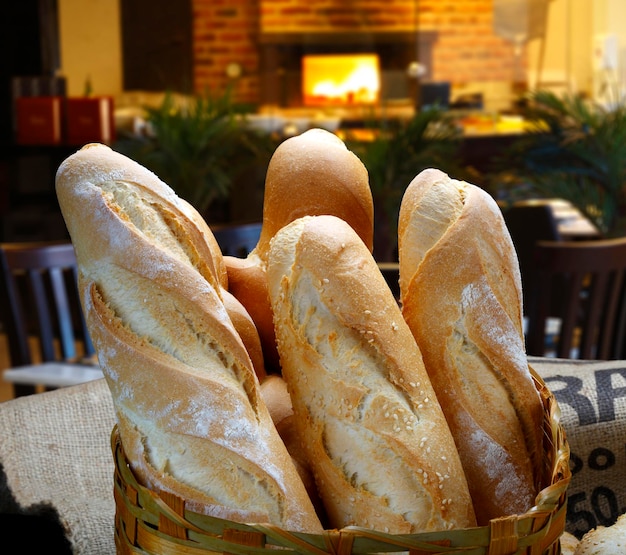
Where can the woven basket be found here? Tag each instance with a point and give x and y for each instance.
(158, 523)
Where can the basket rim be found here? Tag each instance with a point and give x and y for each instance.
(142, 512)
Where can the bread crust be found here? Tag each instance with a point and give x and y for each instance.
(604, 540)
(314, 174)
(187, 399)
(381, 452)
(461, 295)
(308, 175)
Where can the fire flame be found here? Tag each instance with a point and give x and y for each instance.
(332, 79)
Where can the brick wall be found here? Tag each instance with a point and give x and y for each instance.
(225, 32)
(466, 49)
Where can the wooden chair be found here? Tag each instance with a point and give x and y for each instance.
(237, 240)
(590, 278)
(42, 317)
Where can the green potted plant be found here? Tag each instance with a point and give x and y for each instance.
(576, 150)
(199, 147)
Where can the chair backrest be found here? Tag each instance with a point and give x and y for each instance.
(528, 223)
(590, 279)
(40, 299)
(237, 240)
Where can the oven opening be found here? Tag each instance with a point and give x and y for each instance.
(340, 79)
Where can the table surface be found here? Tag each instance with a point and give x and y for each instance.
(53, 374)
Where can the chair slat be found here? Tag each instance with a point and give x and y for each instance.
(39, 297)
(569, 319)
(618, 340)
(595, 313)
(63, 313)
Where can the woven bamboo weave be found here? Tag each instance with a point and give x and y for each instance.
(148, 522)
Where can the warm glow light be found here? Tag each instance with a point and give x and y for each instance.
(334, 79)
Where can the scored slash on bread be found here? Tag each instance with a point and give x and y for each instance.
(460, 291)
(377, 440)
(189, 410)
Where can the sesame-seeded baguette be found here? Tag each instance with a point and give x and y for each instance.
(377, 440)
(190, 414)
(461, 296)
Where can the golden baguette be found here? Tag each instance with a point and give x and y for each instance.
(461, 295)
(378, 443)
(190, 414)
(309, 174)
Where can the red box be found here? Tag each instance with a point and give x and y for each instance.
(39, 120)
(89, 120)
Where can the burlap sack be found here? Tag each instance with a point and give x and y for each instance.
(56, 464)
(592, 398)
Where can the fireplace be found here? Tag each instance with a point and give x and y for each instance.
(284, 56)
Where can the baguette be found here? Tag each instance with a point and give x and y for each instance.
(309, 174)
(190, 415)
(460, 291)
(377, 441)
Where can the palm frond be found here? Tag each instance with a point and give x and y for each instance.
(577, 151)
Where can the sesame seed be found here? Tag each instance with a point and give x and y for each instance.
(325, 280)
(367, 312)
